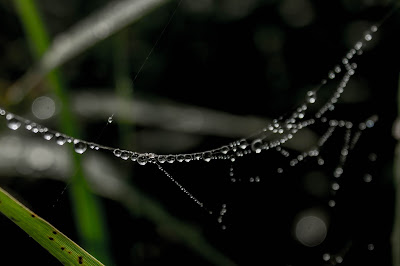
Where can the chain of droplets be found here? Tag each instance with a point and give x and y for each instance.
(286, 129)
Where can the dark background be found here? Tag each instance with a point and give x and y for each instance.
(254, 58)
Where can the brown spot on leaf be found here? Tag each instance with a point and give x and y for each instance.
(69, 252)
(80, 259)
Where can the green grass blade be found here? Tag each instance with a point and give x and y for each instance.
(87, 209)
(58, 244)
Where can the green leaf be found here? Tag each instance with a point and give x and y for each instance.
(58, 244)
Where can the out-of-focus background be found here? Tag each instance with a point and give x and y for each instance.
(189, 76)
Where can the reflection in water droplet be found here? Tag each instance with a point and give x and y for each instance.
(142, 159)
(256, 145)
(134, 157)
(188, 158)
(225, 149)
(79, 146)
(162, 158)
(171, 158)
(12, 122)
(117, 152)
(207, 156)
(125, 155)
(48, 135)
(311, 97)
(60, 140)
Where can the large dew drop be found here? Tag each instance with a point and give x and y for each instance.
(207, 156)
(256, 145)
(60, 140)
(79, 146)
(117, 152)
(12, 122)
(142, 159)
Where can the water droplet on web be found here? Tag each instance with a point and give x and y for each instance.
(256, 145)
(368, 37)
(170, 158)
(180, 158)
(331, 75)
(207, 156)
(279, 170)
(335, 186)
(371, 247)
(110, 119)
(117, 152)
(339, 259)
(142, 159)
(358, 45)
(125, 155)
(60, 140)
(12, 122)
(243, 144)
(188, 158)
(311, 97)
(134, 157)
(79, 146)
(374, 28)
(48, 135)
(326, 257)
(162, 158)
(337, 69)
(225, 149)
(331, 203)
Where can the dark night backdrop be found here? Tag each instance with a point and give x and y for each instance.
(248, 58)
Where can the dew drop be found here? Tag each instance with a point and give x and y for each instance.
(225, 149)
(188, 158)
(331, 203)
(243, 144)
(117, 152)
(371, 247)
(60, 140)
(171, 158)
(335, 186)
(256, 145)
(79, 146)
(180, 158)
(368, 37)
(280, 170)
(134, 157)
(110, 119)
(337, 69)
(331, 75)
(326, 257)
(339, 259)
(48, 135)
(311, 97)
(162, 158)
(125, 155)
(12, 122)
(142, 159)
(207, 156)
(374, 28)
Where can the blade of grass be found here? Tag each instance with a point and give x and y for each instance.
(88, 213)
(55, 242)
(86, 33)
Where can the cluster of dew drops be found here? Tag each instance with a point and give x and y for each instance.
(285, 128)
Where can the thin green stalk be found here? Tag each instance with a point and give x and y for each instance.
(396, 172)
(54, 241)
(88, 212)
